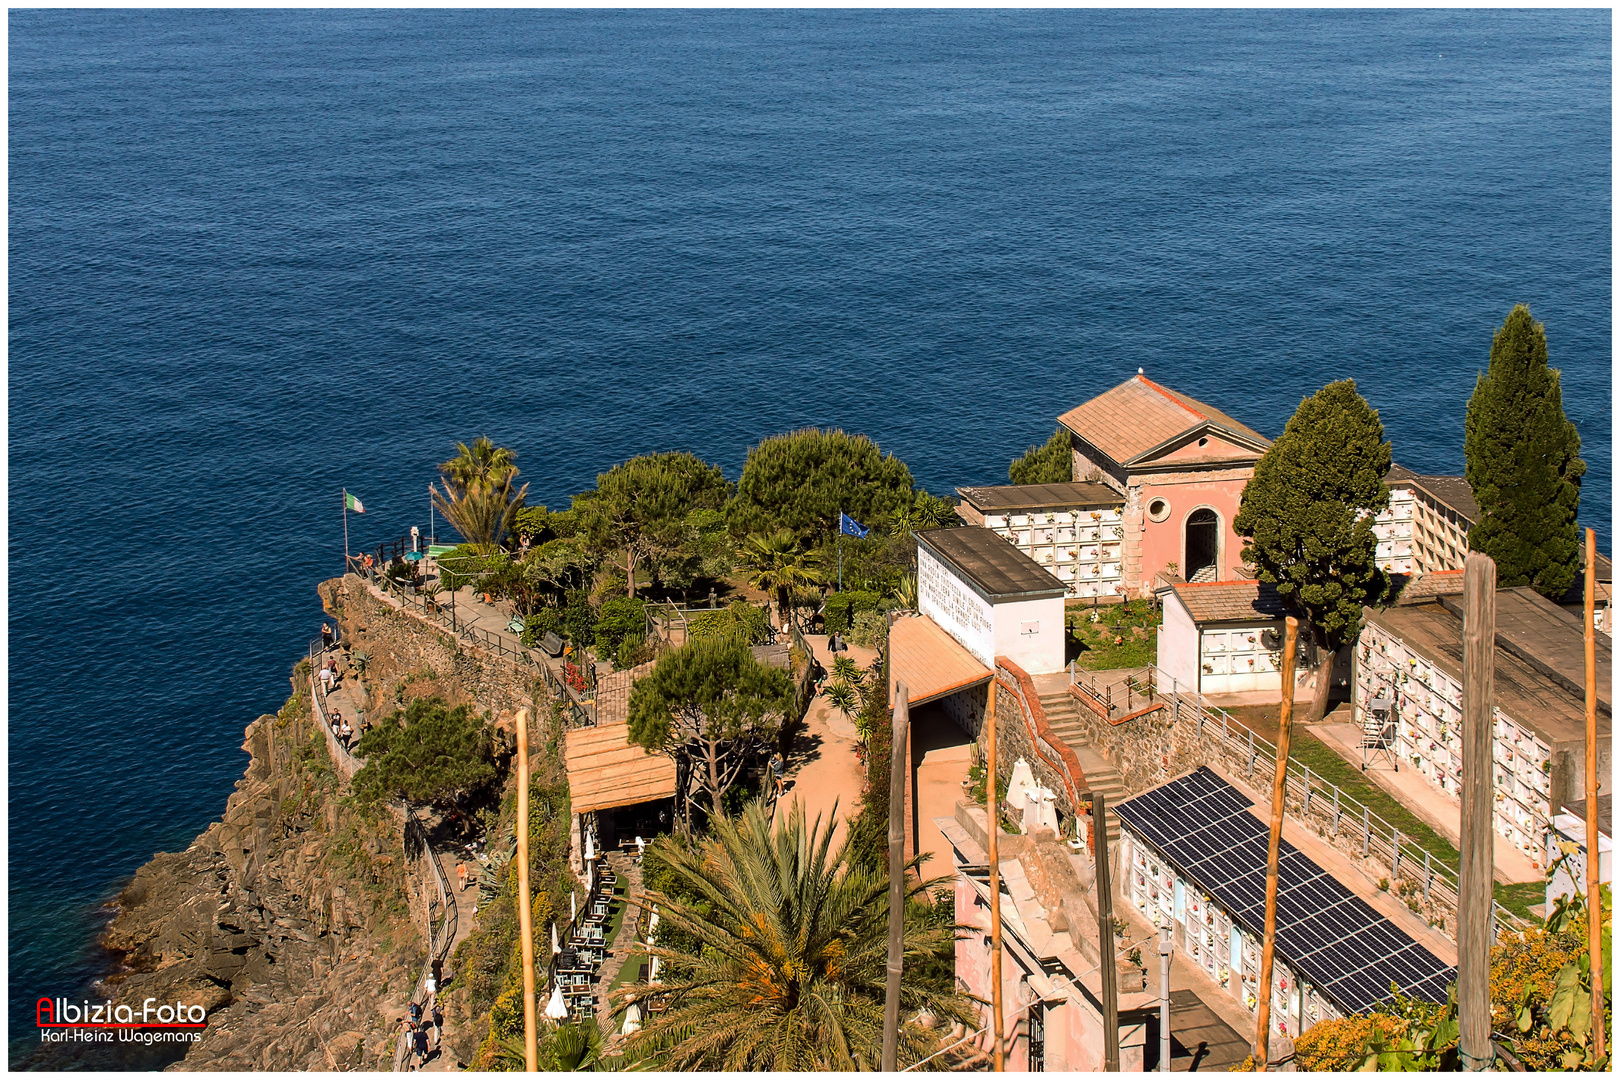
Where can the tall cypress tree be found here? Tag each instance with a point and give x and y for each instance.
(1308, 516)
(1524, 464)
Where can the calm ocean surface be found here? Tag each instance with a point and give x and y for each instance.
(256, 257)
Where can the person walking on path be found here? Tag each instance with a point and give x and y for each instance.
(461, 875)
(775, 771)
(407, 1033)
(438, 1025)
(421, 1046)
(326, 678)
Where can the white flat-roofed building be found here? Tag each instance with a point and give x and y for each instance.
(991, 598)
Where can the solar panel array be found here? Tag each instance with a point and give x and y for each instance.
(1201, 825)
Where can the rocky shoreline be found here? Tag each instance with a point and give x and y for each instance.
(289, 920)
(293, 920)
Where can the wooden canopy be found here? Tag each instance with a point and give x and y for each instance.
(929, 661)
(605, 770)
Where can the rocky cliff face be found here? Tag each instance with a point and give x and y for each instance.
(289, 920)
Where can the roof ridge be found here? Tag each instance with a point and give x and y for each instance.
(1207, 584)
(1171, 396)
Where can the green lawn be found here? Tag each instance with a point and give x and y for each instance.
(1112, 641)
(1325, 762)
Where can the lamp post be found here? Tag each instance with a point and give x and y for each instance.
(1165, 945)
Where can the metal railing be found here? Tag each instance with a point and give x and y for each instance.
(442, 920)
(518, 657)
(1343, 816)
(348, 762)
(1119, 698)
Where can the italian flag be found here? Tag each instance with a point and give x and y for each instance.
(353, 503)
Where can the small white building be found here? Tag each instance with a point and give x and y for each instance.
(992, 598)
(1568, 836)
(1221, 637)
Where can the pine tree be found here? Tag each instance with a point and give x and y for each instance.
(1308, 516)
(1048, 464)
(1523, 463)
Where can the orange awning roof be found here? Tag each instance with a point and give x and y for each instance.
(605, 770)
(929, 661)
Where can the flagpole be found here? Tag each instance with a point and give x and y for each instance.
(345, 530)
(433, 535)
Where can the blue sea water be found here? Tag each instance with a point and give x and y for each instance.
(259, 256)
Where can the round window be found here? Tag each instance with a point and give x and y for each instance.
(1158, 509)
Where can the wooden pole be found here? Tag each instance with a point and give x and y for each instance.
(531, 1049)
(1279, 788)
(1105, 933)
(998, 1056)
(1475, 869)
(1594, 923)
(899, 761)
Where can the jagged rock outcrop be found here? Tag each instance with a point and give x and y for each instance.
(289, 919)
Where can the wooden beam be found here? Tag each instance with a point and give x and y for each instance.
(899, 759)
(998, 1056)
(1476, 870)
(1279, 789)
(531, 1048)
(1105, 934)
(1594, 924)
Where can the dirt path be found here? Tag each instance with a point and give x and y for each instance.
(823, 771)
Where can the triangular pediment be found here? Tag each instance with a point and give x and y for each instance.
(1207, 443)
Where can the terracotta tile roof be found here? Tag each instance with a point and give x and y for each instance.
(1039, 496)
(605, 770)
(1424, 588)
(1139, 415)
(929, 661)
(1231, 601)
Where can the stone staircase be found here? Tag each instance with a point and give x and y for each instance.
(1063, 714)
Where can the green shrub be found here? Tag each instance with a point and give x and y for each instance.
(738, 617)
(620, 620)
(579, 618)
(465, 564)
(870, 628)
(543, 622)
(839, 613)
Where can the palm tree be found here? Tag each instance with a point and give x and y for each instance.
(925, 511)
(479, 467)
(841, 696)
(846, 670)
(564, 1048)
(479, 499)
(790, 971)
(775, 561)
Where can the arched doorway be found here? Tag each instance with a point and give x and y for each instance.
(1203, 545)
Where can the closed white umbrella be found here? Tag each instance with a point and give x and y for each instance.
(556, 1008)
(632, 1019)
(555, 948)
(590, 847)
(573, 906)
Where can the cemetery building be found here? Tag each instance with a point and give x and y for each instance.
(1179, 467)
(1193, 855)
(1567, 839)
(1407, 697)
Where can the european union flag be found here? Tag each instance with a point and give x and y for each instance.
(850, 527)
